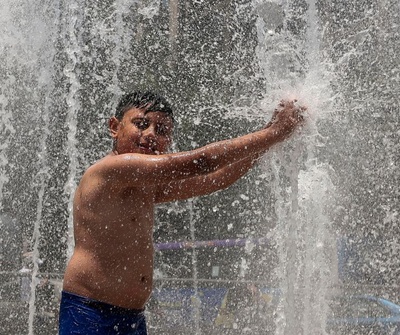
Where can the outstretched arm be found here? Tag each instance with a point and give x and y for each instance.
(131, 170)
(202, 185)
(227, 175)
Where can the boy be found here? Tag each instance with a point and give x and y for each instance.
(109, 277)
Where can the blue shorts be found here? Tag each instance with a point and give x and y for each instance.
(85, 316)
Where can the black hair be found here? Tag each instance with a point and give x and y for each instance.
(148, 101)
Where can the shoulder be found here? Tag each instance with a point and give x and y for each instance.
(112, 163)
(98, 179)
(121, 170)
(96, 168)
(97, 174)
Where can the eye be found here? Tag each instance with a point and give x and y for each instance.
(162, 130)
(141, 124)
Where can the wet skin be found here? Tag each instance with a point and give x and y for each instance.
(115, 199)
(113, 222)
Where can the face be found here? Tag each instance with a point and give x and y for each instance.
(143, 133)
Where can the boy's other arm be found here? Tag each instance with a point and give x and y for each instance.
(203, 185)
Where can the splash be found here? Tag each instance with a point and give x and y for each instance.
(302, 186)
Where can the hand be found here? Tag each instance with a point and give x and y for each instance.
(286, 118)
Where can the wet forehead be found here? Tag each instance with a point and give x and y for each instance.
(153, 117)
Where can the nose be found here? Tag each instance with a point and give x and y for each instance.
(149, 133)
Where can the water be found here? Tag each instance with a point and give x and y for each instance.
(318, 217)
(303, 189)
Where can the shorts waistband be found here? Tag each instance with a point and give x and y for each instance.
(100, 305)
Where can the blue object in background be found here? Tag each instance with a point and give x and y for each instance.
(363, 314)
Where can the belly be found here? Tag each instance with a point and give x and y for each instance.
(121, 279)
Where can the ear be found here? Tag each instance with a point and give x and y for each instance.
(113, 125)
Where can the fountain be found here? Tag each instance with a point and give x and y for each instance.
(318, 216)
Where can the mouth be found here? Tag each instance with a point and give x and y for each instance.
(147, 150)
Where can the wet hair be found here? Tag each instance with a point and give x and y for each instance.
(147, 101)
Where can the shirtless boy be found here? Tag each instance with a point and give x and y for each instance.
(109, 277)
